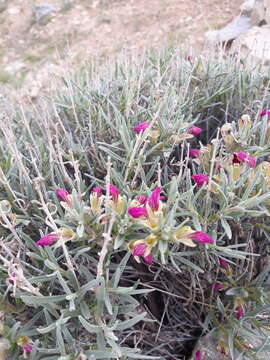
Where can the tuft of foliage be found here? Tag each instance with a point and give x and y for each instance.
(134, 206)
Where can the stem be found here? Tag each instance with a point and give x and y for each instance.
(108, 225)
(207, 201)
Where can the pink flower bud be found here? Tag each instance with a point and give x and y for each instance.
(137, 212)
(223, 263)
(48, 239)
(240, 312)
(11, 281)
(201, 237)
(194, 153)
(153, 200)
(62, 194)
(27, 348)
(140, 127)
(114, 192)
(218, 286)
(194, 130)
(97, 190)
(200, 179)
(142, 199)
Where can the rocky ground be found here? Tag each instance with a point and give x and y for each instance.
(37, 36)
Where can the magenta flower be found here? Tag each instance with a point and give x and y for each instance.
(139, 249)
(137, 212)
(114, 192)
(148, 259)
(194, 153)
(27, 348)
(198, 355)
(140, 127)
(48, 239)
(194, 130)
(97, 190)
(201, 237)
(200, 179)
(242, 157)
(265, 112)
(142, 199)
(218, 286)
(240, 312)
(11, 281)
(62, 194)
(223, 263)
(154, 198)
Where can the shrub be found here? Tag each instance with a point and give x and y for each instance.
(134, 212)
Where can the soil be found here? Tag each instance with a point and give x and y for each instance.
(80, 29)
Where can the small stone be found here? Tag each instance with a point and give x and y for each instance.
(14, 67)
(34, 92)
(13, 10)
(43, 13)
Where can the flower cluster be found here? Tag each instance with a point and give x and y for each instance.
(150, 212)
(242, 157)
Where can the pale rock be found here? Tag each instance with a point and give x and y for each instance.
(261, 12)
(254, 45)
(239, 25)
(252, 13)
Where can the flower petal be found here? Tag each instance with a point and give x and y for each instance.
(201, 237)
(194, 130)
(148, 259)
(200, 179)
(141, 127)
(142, 199)
(218, 286)
(154, 198)
(139, 249)
(48, 239)
(240, 312)
(194, 153)
(137, 212)
(97, 190)
(114, 192)
(62, 194)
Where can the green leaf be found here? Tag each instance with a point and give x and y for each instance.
(42, 300)
(226, 227)
(89, 327)
(131, 322)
